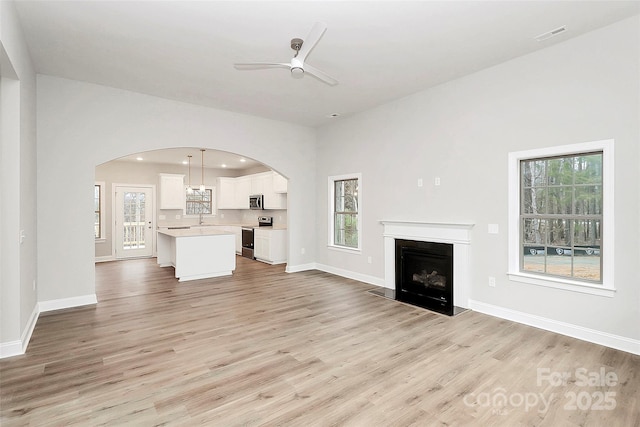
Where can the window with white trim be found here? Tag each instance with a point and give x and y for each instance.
(98, 203)
(560, 216)
(345, 194)
(200, 201)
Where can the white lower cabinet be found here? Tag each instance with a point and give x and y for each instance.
(270, 246)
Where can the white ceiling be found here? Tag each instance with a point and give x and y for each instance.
(177, 156)
(379, 51)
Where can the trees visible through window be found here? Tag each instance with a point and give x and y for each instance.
(561, 215)
(199, 202)
(345, 224)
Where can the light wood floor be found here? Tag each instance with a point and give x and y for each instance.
(269, 348)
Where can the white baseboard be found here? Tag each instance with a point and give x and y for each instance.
(31, 324)
(18, 347)
(377, 281)
(105, 258)
(591, 335)
(10, 349)
(300, 267)
(59, 304)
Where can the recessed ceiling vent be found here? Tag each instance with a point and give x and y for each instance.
(551, 33)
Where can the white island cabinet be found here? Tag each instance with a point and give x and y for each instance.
(197, 253)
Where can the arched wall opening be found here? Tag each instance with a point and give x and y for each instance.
(195, 166)
(83, 125)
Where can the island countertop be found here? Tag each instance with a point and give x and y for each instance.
(192, 232)
(197, 253)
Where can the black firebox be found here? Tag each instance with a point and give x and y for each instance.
(424, 275)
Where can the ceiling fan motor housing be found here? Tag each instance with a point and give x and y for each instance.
(296, 44)
(297, 68)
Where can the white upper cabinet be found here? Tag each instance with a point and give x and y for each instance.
(233, 193)
(279, 183)
(260, 182)
(226, 190)
(243, 191)
(273, 200)
(172, 191)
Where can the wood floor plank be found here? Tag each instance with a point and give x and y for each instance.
(267, 348)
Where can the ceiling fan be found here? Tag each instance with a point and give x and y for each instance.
(297, 65)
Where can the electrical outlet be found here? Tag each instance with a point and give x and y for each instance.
(437, 180)
(420, 183)
(493, 229)
(178, 216)
(369, 260)
(221, 215)
(492, 281)
(302, 251)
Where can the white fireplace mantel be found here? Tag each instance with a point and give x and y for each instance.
(457, 234)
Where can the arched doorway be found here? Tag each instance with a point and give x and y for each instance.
(198, 170)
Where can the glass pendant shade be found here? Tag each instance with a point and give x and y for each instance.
(189, 188)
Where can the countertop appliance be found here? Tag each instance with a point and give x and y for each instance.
(247, 235)
(256, 201)
(265, 221)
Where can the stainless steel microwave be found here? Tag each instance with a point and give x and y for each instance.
(256, 201)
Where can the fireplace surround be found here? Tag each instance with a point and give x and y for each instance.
(456, 235)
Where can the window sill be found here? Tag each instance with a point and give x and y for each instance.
(566, 285)
(100, 240)
(344, 249)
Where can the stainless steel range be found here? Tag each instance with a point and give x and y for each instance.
(247, 235)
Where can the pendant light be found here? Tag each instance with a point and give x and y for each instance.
(202, 169)
(189, 188)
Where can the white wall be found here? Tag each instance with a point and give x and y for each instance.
(82, 125)
(584, 89)
(17, 186)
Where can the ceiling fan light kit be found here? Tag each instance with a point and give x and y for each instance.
(297, 65)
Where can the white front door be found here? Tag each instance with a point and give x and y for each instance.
(133, 222)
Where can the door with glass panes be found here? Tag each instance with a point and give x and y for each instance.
(133, 222)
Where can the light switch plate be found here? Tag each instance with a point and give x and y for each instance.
(493, 228)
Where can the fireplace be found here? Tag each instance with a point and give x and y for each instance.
(424, 274)
(457, 237)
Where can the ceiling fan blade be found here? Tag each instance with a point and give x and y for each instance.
(320, 75)
(312, 39)
(260, 65)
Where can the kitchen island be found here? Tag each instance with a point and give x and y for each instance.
(197, 253)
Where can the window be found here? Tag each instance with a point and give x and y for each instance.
(560, 212)
(98, 203)
(199, 202)
(345, 193)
